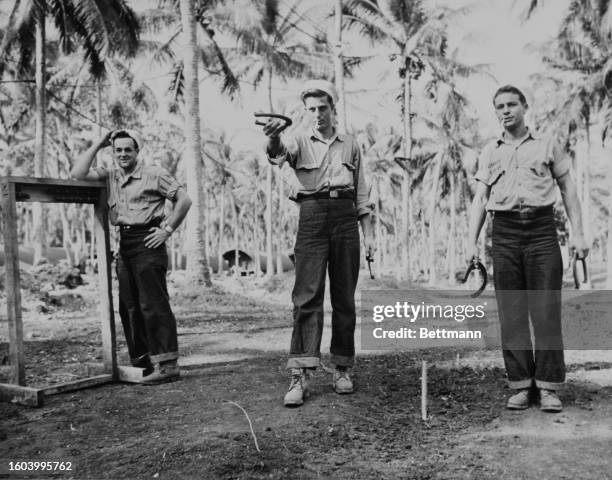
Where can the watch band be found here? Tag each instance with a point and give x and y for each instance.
(169, 229)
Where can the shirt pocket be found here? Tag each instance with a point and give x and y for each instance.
(539, 169)
(496, 171)
(142, 202)
(347, 174)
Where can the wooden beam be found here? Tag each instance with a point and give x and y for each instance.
(32, 397)
(77, 384)
(13, 286)
(107, 317)
(130, 374)
(46, 181)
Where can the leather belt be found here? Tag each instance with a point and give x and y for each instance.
(140, 228)
(524, 212)
(327, 195)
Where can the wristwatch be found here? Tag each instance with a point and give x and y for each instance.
(169, 229)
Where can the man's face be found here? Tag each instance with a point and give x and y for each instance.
(509, 110)
(125, 153)
(320, 113)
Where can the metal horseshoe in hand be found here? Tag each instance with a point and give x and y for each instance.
(370, 259)
(287, 120)
(580, 282)
(476, 265)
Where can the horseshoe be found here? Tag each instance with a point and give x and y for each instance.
(287, 120)
(475, 264)
(370, 259)
(585, 273)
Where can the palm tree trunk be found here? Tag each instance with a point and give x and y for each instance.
(197, 258)
(452, 228)
(586, 199)
(40, 144)
(378, 232)
(256, 236)
(221, 230)
(236, 250)
(92, 251)
(207, 241)
(279, 214)
(609, 248)
(405, 273)
(433, 202)
(339, 67)
(269, 258)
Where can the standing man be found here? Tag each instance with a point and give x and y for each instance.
(137, 195)
(333, 195)
(516, 178)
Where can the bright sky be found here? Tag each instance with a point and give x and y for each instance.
(491, 32)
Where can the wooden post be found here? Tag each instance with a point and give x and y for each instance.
(13, 285)
(424, 390)
(53, 190)
(107, 317)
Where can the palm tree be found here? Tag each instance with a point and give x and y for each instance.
(454, 141)
(268, 44)
(193, 17)
(97, 27)
(418, 41)
(197, 266)
(582, 49)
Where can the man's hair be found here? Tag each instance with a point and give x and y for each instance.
(315, 92)
(124, 134)
(510, 89)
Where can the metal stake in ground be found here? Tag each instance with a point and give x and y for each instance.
(424, 390)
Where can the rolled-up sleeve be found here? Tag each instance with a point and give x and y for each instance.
(102, 172)
(288, 152)
(363, 202)
(167, 184)
(483, 174)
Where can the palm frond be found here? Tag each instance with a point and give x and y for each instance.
(177, 84)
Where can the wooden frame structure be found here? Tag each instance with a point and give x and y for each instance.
(51, 190)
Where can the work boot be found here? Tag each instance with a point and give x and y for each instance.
(162, 372)
(341, 381)
(298, 388)
(519, 401)
(549, 401)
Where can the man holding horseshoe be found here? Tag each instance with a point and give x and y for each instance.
(137, 195)
(516, 177)
(334, 197)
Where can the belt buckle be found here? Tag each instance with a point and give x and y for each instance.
(333, 194)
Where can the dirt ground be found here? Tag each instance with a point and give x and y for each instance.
(233, 343)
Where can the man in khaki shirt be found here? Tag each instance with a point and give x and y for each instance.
(516, 183)
(137, 196)
(334, 197)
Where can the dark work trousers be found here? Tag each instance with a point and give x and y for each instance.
(528, 273)
(327, 239)
(148, 322)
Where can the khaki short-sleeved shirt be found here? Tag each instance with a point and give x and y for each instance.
(321, 164)
(139, 197)
(522, 173)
